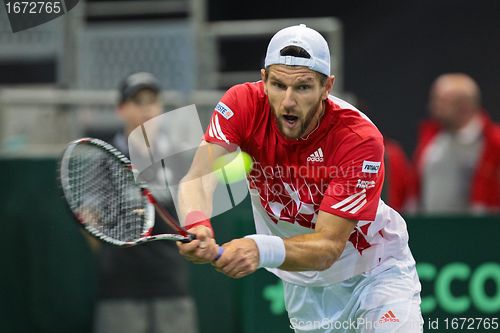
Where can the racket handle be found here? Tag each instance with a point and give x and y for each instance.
(190, 238)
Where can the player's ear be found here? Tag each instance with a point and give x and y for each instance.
(330, 81)
(263, 77)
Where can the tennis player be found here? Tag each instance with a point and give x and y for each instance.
(315, 186)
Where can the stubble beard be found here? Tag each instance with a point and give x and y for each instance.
(304, 122)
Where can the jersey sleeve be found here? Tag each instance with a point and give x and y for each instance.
(229, 122)
(356, 186)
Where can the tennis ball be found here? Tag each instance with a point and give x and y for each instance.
(232, 167)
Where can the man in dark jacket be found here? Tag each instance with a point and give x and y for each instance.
(143, 289)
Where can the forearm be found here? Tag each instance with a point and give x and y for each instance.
(314, 251)
(194, 195)
(311, 252)
(197, 187)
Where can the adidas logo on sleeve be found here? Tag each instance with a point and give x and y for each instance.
(389, 317)
(317, 156)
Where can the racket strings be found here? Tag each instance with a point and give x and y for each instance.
(105, 195)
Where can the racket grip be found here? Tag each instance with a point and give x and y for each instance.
(219, 253)
(190, 238)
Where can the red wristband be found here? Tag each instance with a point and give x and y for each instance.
(196, 218)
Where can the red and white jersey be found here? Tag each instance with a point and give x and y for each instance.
(338, 168)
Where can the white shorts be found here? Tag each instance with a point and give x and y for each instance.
(386, 300)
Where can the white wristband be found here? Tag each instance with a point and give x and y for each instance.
(271, 250)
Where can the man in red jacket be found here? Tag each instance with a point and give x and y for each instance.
(458, 152)
(399, 183)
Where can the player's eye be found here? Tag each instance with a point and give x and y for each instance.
(303, 87)
(278, 85)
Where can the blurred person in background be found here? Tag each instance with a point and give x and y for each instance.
(142, 289)
(458, 151)
(399, 190)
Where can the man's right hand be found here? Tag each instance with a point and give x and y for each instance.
(203, 249)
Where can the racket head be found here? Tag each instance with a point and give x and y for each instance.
(99, 186)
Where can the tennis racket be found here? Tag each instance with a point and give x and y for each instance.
(99, 186)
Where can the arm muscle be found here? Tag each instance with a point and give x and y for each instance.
(320, 249)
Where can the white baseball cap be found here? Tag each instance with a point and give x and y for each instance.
(306, 38)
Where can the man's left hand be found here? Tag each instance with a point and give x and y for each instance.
(240, 258)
